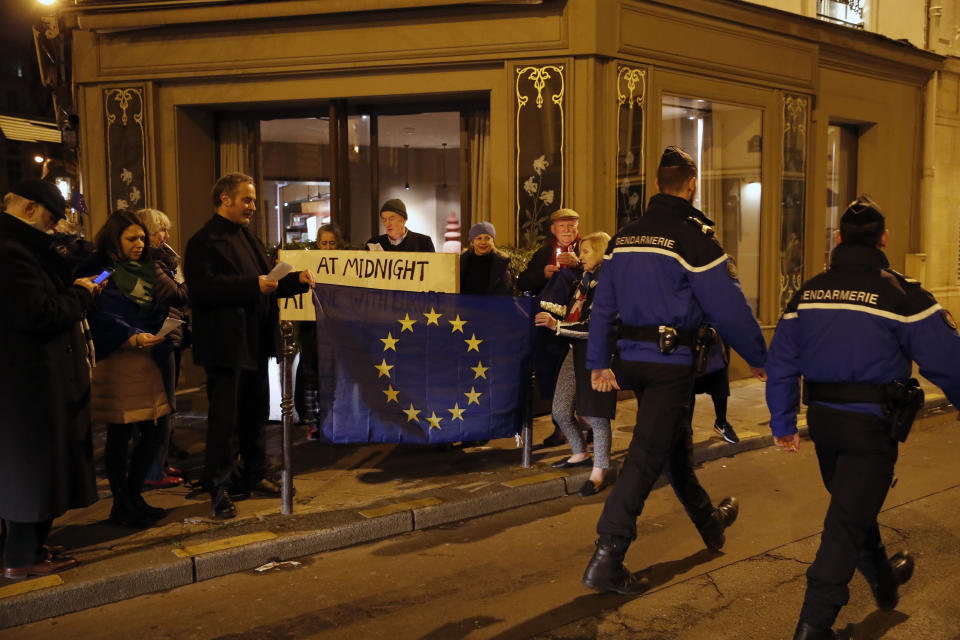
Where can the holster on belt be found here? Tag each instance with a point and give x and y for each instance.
(706, 338)
(901, 401)
(667, 338)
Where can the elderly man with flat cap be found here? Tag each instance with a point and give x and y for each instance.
(665, 278)
(853, 332)
(393, 215)
(558, 257)
(46, 449)
(559, 252)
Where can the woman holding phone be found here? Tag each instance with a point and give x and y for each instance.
(127, 391)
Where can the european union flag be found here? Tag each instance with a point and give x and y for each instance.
(425, 367)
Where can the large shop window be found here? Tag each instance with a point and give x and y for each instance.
(726, 142)
(341, 164)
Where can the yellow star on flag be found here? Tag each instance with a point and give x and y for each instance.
(473, 343)
(473, 396)
(434, 420)
(383, 368)
(457, 412)
(406, 324)
(412, 414)
(457, 324)
(432, 317)
(389, 342)
(391, 393)
(480, 371)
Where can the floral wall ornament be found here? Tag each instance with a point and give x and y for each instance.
(796, 113)
(539, 146)
(126, 146)
(630, 181)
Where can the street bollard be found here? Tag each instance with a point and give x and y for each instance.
(528, 423)
(287, 352)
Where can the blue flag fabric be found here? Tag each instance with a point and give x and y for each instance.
(425, 367)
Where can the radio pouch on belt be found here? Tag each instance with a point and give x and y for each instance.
(904, 400)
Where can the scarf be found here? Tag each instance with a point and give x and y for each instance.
(135, 282)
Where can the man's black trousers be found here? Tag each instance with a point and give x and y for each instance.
(857, 458)
(662, 443)
(239, 400)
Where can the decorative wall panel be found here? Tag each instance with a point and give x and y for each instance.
(796, 115)
(631, 107)
(540, 107)
(126, 140)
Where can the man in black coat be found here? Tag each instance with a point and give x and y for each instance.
(558, 255)
(560, 252)
(393, 214)
(235, 320)
(46, 449)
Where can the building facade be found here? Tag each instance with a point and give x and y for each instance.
(506, 111)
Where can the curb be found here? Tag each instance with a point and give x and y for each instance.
(159, 568)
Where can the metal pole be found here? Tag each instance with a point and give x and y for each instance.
(528, 423)
(288, 350)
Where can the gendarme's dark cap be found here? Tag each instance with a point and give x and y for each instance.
(674, 156)
(396, 205)
(862, 211)
(42, 192)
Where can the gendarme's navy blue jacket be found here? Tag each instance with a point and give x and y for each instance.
(861, 322)
(662, 269)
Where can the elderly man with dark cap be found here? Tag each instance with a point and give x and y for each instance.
(393, 215)
(46, 449)
(852, 332)
(664, 279)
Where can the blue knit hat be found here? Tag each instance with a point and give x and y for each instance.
(481, 227)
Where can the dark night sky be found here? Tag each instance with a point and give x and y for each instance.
(17, 16)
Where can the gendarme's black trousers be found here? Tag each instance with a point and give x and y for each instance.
(856, 458)
(662, 443)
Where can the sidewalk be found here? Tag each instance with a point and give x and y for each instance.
(346, 494)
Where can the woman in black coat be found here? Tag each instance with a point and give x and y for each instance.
(46, 448)
(483, 270)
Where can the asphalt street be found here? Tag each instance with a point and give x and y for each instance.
(516, 574)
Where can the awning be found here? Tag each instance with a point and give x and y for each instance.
(29, 130)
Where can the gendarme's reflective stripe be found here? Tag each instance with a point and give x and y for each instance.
(671, 254)
(917, 317)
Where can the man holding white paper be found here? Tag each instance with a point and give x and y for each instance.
(233, 292)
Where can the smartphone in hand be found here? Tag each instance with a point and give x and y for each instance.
(102, 276)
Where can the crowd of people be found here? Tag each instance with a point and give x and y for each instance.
(656, 309)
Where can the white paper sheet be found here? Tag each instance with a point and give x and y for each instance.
(282, 269)
(168, 325)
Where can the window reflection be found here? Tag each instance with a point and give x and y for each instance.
(726, 143)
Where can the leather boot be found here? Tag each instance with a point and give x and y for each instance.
(885, 575)
(806, 631)
(605, 571)
(723, 516)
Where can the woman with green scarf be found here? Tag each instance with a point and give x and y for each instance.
(127, 391)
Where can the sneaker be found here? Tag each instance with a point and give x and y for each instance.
(164, 483)
(725, 429)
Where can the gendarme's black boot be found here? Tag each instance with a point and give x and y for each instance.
(605, 571)
(885, 575)
(805, 631)
(723, 516)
